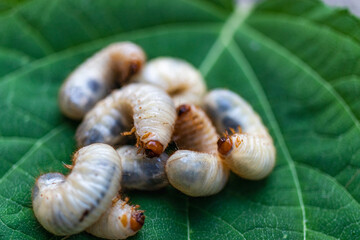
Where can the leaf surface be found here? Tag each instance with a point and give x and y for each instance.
(296, 62)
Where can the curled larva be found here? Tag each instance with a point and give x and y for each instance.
(68, 205)
(198, 171)
(250, 153)
(249, 156)
(140, 172)
(181, 80)
(149, 108)
(120, 221)
(94, 79)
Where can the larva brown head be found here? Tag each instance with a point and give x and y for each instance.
(182, 109)
(153, 148)
(137, 220)
(224, 145)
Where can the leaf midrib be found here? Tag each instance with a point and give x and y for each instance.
(249, 72)
(37, 144)
(221, 43)
(322, 82)
(225, 35)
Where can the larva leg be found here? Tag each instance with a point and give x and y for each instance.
(150, 109)
(199, 172)
(250, 154)
(181, 80)
(120, 221)
(68, 205)
(94, 79)
(140, 172)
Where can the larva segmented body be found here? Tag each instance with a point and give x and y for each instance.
(120, 221)
(181, 80)
(149, 108)
(194, 130)
(140, 172)
(199, 171)
(196, 174)
(68, 205)
(251, 153)
(94, 79)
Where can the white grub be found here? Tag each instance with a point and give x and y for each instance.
(250, 156)
(141, 172)
(120, 221)
(181, 80)
(66, 205)
(250, 153)
(196, 169)
(97, 76)
(149, 108)
(196, 174)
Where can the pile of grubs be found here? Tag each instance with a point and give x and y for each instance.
(140, 107)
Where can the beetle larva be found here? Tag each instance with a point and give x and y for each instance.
(198, 171)
(250, 156)
(251, 153)
(178, 78)
(140, 172)
(68, 205)
(196, 174)
(120, 221)
(94, 79)
(194, 130)
(150, 109)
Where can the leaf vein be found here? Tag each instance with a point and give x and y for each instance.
(144, 32)
(13, 201)
(226, 34)
(33, 149)
(330, 178)
(14, 230)
(287, 17)
(37, 36)
(269, 227)
(16, 53)
(296, 60)
(28, 114)
(303, 65)
(221, 220)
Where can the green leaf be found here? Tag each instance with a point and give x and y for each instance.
(296, 62)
